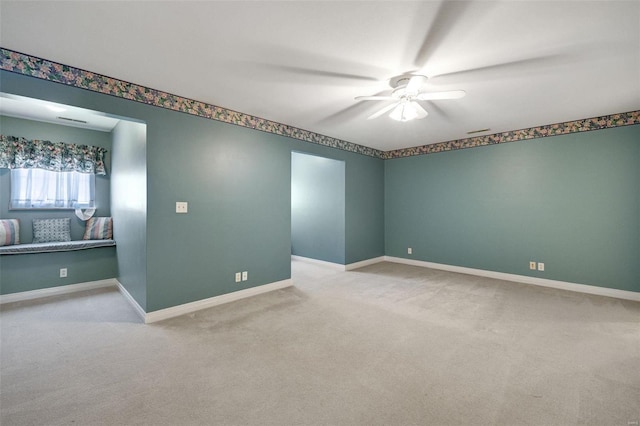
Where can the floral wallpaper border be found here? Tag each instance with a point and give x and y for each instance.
(21, 63)
(585, 125)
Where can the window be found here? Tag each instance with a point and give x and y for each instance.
(51, 175)
(44, 189)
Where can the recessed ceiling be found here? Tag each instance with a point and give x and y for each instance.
(302, 63)
(50, 112)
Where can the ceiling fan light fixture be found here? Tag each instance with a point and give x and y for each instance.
(405, 111)
(406, 91)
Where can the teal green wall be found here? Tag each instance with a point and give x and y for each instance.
(317, 208)
(569, 201)
(42, 270)
(237, 182)
(129, 206)
(364, 195)
(36, 271)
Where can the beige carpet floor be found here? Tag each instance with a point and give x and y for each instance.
(387, 344)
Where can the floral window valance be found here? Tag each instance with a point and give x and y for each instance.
(20, 153)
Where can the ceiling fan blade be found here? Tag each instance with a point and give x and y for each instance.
(517, 65)
(420, 112)
(415, 83)
(442, 24)
(434, 96)
(300, 63)
(345, 115)
(321, 73)
(383, 110)
(374, 98)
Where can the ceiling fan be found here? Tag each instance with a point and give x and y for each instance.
(406, 92)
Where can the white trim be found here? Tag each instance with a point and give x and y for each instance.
(133, 302)
(363, 263)
(561, 285)
(336, 266)
(186, 308)
(55, 291)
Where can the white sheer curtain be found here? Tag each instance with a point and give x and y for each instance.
(37, 188)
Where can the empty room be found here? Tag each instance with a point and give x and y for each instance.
(320, 212)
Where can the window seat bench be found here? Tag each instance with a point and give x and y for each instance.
(55, 247)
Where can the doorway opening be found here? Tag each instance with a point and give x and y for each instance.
(317, 208)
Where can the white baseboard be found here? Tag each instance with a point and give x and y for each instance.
(133, 302)
(561, 285)
(187, 308)
(55, 291)
(363, 263)
(336, 266)
(151, 316)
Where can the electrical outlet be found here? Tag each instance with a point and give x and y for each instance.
(409, 250)
(245, 276)
(540, 266)
(63, 272)
(532, 266)
(238, 277)
(182, 207)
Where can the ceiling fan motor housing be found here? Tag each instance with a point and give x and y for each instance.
(400, 85)
(403, 79)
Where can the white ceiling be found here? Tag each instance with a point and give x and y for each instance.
(522, 63)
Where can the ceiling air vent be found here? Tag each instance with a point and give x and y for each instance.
(72, 120)
(473, 132)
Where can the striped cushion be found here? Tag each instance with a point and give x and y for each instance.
(9, 232)
(98, 228)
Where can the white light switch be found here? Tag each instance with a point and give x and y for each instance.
(181, 206)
